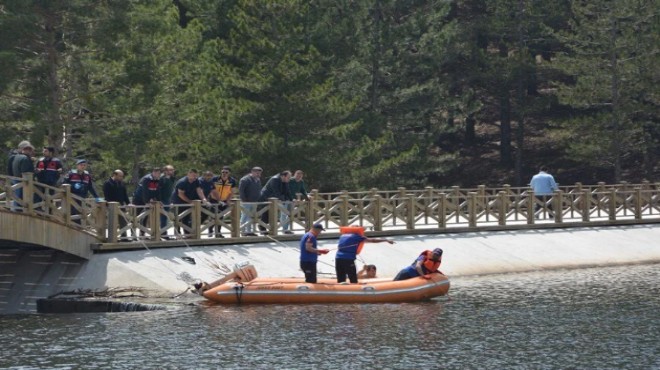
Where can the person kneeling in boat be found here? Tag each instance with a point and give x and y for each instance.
(309, 253)
(427, 263)
(367, 272)
(348, 249)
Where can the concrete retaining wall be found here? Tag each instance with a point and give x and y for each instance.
(465, 254)
(28, 275)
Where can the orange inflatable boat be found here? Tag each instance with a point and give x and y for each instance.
(296, 290)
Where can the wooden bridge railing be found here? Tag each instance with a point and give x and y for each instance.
(402, 209)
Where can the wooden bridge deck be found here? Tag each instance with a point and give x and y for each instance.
(55, 218)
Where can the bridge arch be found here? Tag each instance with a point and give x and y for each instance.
(19, 228)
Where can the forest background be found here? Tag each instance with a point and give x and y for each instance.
(357, 93)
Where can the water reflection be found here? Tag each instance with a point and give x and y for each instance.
(591, 318)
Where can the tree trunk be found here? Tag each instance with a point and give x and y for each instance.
(616, 104)
(53, 122)
(505, 129)
(470, 134)
(375, 60)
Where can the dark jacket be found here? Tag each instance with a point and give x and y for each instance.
(81, 183)
(148, 189)
(50, 170)
(249, 189)
(275, 188)
(115, 191)
(10, 162)
(22, 164)
(166, 189)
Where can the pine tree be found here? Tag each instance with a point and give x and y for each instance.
(612, 55)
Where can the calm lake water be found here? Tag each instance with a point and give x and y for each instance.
(596, 318)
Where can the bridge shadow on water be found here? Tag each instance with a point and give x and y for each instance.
(30, 273)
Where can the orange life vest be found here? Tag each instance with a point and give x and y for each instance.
(353, 230)
(429, 264)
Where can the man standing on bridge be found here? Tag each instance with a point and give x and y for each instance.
(543, 185)
(19, 164)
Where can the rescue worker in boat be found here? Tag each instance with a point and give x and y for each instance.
(367, 272)
(309, 252)
(427, 263)
(347, 251)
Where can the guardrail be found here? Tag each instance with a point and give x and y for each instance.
(404, 209)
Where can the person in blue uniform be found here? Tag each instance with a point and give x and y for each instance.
(309, 252)
(425, 264)
(186, 190)
(347, 251)
(148, 189)
(81, 185)
(81, 181)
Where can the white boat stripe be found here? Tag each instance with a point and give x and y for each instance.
(331, 293)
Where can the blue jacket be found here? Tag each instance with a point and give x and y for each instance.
(348, 246)
(543, 184)
(306, 256)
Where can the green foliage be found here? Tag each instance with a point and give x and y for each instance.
(358, 94)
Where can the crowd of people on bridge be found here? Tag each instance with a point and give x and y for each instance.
(217, 191)
(161, 185)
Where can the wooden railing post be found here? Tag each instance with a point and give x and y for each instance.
(472, 209)
(410, 217)
(28, 193)
(101, 217)
(343, 211)
(502, 207)
(377, 212)
(236, 218)
(154, 220)
(272, 215)
(585, 205)
(196, 223)
(113, 222)
(558, 200)
(66, 204)
(442, 211)
(309, 213)
(531, 209)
